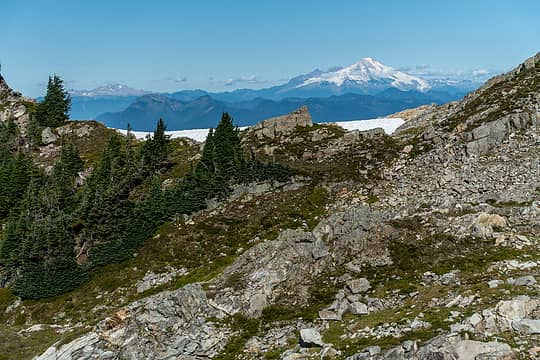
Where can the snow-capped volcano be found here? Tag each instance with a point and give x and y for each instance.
(368, 73)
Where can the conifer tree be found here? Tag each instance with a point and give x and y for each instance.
(53, 111)
(226, 143)
(34, 131)
(156, 148)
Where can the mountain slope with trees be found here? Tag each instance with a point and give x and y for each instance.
(420, 244)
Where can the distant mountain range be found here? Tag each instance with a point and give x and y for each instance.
(109, 90)
(362, 90)
(205, 111)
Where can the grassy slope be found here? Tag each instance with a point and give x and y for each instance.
(204, 248)
(216, 237)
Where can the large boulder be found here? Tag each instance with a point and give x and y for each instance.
(485, 224)
(168, 325)
(527, 326)
(270, 269)
(483, 138)
(282, 125)
(471, 350)
(310, 337)
(48, 137)
(285, 268)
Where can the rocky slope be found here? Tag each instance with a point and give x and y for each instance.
(419, 245)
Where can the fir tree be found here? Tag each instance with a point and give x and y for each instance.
(34, 131)
(156, 149)
(226, 143)
(53, 111)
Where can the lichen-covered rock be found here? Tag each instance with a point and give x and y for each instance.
(48, 137)
(282, 125)
(268, 270)
(171, 324)
(484, 224)
(310, 337)
(443, 347)
(482, 139)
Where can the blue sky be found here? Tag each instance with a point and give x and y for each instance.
(218, 45)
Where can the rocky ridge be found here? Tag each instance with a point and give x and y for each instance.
(434, 255)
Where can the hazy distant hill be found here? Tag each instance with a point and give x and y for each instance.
(204, 111)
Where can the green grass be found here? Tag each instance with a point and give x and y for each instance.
(245, 329)
(497, 101)
(182, 158)
(16, 346)
(360, 161)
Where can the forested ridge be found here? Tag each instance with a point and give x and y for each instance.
(59, 226)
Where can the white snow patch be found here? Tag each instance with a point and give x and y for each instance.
(389, 125)
(195, 134)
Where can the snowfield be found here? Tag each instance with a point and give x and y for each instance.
(389, 125)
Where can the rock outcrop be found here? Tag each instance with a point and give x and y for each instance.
(282, 125)
(278, 269)
(485, 118)
(169, 325)
(14, 106)
(447, 347)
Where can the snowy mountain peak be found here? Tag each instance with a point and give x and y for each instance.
(371, 62)
(109, 90)
(366, 72)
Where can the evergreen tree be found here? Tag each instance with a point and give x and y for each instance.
(156, 149)
(208, 156)
(53, 111)
(119, 206)
(129, 150)
(160, 140)
(15, 168)
(8, 138)
(221, 161)
(34, 131)
(70, 163)
(39, 243)
(226, 143)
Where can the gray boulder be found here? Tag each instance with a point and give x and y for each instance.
(527, 326)
(310, 337)
(358, 285)
(471, 350)
(48, 137)
(525, 281)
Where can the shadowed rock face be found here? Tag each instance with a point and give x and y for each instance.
(283, 125)
(6, 93)
(13, 106)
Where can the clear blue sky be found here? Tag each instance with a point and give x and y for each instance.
(168, 45)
